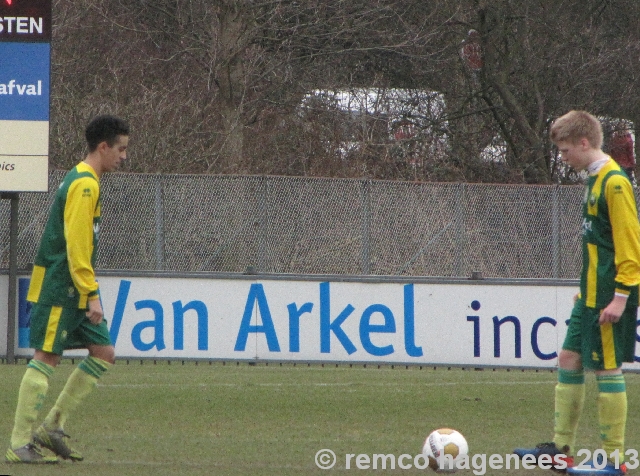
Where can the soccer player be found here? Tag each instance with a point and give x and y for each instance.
(67, 312)
(602, 328)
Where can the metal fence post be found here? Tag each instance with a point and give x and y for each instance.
(366, 227)
(262, 220)
(159, 202)
(555, 232)
(460, 230)
(13, 277)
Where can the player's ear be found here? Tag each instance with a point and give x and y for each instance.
(585, 144)
(102, 146)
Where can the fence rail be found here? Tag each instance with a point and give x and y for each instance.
(187, 223)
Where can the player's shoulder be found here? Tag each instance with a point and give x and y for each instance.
(82, 184)
(618, 182)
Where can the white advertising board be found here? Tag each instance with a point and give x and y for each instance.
(311, 321)
(24, 156)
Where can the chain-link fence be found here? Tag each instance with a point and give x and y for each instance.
(188, 223)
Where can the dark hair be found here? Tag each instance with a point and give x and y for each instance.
(105, 129)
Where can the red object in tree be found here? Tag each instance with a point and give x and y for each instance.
(471, 51)
(404, 130)
(8, 2)
(621, 149)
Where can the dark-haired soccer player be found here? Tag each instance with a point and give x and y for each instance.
(602, 329)
(67, 312)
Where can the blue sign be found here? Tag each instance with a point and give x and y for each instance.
(24, 313)
(24, 81)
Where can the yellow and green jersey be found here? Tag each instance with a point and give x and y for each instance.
(610, 238)
(63, 271)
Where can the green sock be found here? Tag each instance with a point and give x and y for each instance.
(569, 401)
(612, 412)
(33, 391)
(80, 383)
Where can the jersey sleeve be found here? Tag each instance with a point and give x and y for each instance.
(79, 210)
(623, 217)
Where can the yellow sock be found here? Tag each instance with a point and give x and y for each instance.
(33, 391)
(612, 412)
(569, 401)
(80, 383)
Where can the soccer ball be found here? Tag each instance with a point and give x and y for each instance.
(445, 448)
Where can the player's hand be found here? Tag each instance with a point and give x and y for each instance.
(613, 311)
(95, 313)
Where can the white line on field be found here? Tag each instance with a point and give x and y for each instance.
(191, 464)
(330, 384)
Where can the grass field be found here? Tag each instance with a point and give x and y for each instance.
(240, 419)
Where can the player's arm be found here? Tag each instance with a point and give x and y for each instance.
(626, 242)
(79, 210)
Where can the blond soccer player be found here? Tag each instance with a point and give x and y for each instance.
(602, 327)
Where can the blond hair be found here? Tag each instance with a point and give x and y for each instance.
(576, 125)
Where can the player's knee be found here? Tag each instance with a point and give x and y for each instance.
(616, 371)
(569, 360)
(104, 352)
(110, 355)
(47, 357)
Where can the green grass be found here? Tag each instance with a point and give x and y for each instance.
(161, 419)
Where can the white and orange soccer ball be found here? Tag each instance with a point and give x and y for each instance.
(445, 448)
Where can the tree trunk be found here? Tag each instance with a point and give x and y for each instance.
(234, 21)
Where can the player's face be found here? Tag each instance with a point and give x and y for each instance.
(573, 154)
(114, 155)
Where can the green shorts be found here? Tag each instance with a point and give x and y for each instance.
(602, 347)
(55, 329)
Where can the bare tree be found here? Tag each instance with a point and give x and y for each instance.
(221, 86)
(541, 59)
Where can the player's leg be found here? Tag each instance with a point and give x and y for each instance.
(609, 346)
(612, 415)
(612, 411)
(612, 399)
(79, 385)
(568, 399)
(569, 402)
(45, 323)
(570, 389)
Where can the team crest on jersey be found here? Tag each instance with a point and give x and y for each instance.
(71, 291)
(593, 199)
(86, 192)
